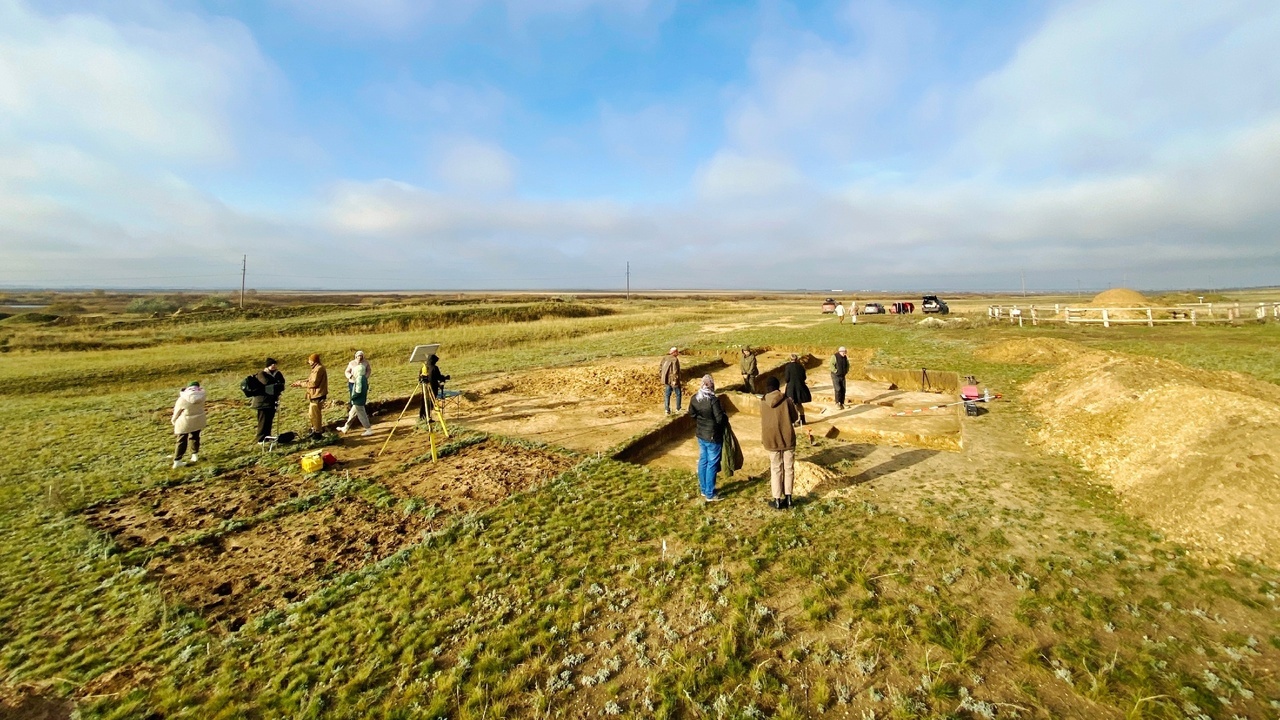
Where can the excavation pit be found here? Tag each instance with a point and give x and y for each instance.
(230, 577)
(478, 476)
(168, 514)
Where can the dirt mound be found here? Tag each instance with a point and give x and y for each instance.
(1120, 297)
(809, 476)
(1193, 451)
(478, 476)
(1033, 351)
(631, 384)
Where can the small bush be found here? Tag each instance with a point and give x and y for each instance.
(151, 305)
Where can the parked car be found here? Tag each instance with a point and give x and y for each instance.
(828, 306)
(871, 308)
(934, 304)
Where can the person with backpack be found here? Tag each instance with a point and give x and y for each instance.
(266, 390)
(188, 420)
(317, 386)
(710, 422)
(839, 367)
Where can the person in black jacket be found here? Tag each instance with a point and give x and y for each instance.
(434, 380)
(710, 421)
(839, 369)
(272, 381)
(793, 375)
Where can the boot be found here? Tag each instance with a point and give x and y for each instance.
(788, 505)
(777, 503)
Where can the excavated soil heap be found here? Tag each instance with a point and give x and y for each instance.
(1033, 351)
(1193, 451)
(1121, 298)
(810, 475)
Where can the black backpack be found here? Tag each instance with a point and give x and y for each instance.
(251, 386)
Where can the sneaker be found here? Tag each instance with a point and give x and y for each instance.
(177, 464)
(713, 498)
(195, 457)
(342, 429)
(367, 433)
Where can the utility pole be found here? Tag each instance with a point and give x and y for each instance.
(244, 266)
(1023, 273)
(628, 279)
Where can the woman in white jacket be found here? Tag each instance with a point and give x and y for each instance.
(188, 420)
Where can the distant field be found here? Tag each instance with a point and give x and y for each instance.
(526, 573)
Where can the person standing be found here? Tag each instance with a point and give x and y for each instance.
(853, 312)
(778, 435)
(359, 396)
(669, 374)
(272, 382)
(750, 371)
(351, 370)
(317, 385)
(796, 380)
(840, 312)
(709, 426)
(433, 380)
(188, 420)
(839, 369)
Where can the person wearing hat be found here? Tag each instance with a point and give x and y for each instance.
(433, 380)
(750, 371)
(272, 381)
(317, 385)
(188, 420)
(669, 374)
(839, 366)
(351, 370)
(796, 380)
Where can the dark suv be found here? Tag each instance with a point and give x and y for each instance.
(934, 304)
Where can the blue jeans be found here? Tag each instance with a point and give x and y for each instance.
(666, 397)
(708, 466)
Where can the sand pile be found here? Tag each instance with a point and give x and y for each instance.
(1033, 351)
(809, 476)
(633, 384)
(1193, 451)
(1121, 298)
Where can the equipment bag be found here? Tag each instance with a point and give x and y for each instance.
(251, 386)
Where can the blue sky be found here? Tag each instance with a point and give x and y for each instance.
(542, 144)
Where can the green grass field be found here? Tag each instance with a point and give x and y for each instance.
(1014, 587)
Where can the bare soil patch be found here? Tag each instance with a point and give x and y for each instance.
(478, 476)
(1033, 351)
(167, 514)
(23, 702)
(1193, 451)
(231, 577)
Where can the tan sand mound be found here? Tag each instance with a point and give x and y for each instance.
(1193, 451)
(1120, 297)
(1033, 351)
(810, 476)
(632, 384)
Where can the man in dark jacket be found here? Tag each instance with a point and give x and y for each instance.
(750, 371)
(709, 425)
(796, 380)
(433, 380)
(839, 369)
(778, 435)
(669, 374)
(273, 385)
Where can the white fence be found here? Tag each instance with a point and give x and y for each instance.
(1193, 313)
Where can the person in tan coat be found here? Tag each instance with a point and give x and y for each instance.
(778, 415)
(317, 386)
(669, 374)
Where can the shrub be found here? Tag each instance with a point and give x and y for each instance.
(151, 305)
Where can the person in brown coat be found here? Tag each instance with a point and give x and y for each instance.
(317, 385)
(778, 415)
(669, 374)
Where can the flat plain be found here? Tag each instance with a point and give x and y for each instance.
(1098, 542)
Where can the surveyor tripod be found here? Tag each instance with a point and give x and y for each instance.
(429, 404)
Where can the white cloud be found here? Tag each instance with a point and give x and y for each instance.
(729, 175)
(469, 165)
(651, 137)
(166, 91)
(441, 104)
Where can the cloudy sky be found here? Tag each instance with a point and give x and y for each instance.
(446, 144)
